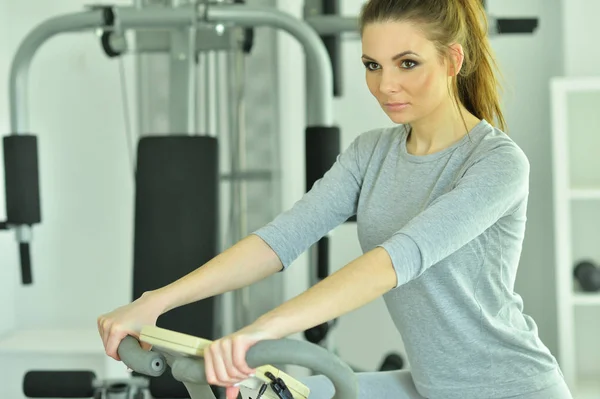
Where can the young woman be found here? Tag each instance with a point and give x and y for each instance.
(441, 204)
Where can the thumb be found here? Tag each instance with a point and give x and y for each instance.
(232, 392)
(145, 346)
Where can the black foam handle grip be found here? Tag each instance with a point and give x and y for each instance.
(21, 180)
(140, 360)
(25, 255)
(323, 258)
(322, 147)
(59, 384)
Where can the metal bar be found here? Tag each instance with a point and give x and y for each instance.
(333, 24)
(239, 311)
(19, 72)
(243, 302)
(319, 97)
(207, 94)
(159, 41)
(319, 77)
(154, 17)
(258, 175)
(179, 83)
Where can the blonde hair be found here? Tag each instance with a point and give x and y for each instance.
(446, 22)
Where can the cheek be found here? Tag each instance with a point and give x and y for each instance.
(372, 83)
(430, 87)
(422, 83)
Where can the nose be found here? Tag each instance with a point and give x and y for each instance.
(390, 82)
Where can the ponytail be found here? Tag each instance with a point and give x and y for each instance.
(447, 22)
(476, 86)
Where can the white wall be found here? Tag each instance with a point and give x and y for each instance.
(581, 33)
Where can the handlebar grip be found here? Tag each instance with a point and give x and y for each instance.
(186, 369)
(25, 256)
(139, 360)
(59, 384)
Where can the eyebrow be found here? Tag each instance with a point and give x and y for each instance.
(394, 58)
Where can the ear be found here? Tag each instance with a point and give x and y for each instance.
(456, 58)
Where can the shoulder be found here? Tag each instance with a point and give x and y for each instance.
(371, 141)
(494, 152)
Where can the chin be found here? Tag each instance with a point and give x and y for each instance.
(400, 118)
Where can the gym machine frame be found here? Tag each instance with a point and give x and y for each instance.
(150, 24)
(23, 203)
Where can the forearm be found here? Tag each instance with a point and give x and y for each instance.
(248, 261)
(358, 283)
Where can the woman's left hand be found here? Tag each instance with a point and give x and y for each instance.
(225, 359)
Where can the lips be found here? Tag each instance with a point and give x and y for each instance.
(396, 106)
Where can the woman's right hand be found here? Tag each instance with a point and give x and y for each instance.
(127, 320)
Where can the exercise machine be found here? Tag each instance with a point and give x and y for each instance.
(183, 355)
(176, 174)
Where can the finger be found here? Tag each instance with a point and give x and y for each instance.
(218, 363)
(105, 328)
(99, 322)
(114, 341)
(239, 359)
(145, 346)
(232, 392)
(233, 372)
(209, 369)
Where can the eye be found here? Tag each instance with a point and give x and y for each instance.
(371, 66)
(409, 64)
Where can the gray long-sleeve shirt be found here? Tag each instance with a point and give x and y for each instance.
(453, 224)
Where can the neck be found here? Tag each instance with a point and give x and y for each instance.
(440, 129)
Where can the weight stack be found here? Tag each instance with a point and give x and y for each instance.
(176, 221)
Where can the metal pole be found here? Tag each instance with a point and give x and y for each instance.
(333, 24)
(19, 72)
(319, 96)
(155, 17)
(206, 87)
(19, 76)
(319, 74)
(181, 73)
(242, 297)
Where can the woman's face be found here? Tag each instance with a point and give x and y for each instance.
(403, 70)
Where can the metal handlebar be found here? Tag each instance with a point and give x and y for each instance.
(191, 371)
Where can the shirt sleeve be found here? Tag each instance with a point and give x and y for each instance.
(494, 186)
(330, 202)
